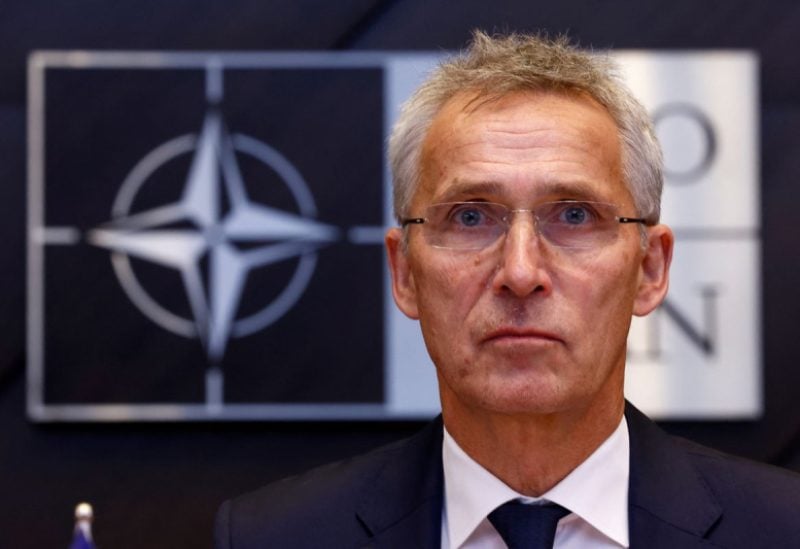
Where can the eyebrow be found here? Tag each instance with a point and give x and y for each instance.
(551, 189)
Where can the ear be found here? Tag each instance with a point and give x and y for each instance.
(654, 276)
(403, 288)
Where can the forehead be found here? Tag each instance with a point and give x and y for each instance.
(525, 145)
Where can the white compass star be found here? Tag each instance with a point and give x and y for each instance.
(214, 169)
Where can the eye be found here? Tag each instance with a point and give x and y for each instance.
(470, 215)
(574, 214)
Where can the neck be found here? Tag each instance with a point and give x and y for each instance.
(538, 450)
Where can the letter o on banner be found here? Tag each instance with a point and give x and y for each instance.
(688, 139)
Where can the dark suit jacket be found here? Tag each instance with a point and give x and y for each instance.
(681, 495)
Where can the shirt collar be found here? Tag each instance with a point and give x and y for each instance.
(596, 490)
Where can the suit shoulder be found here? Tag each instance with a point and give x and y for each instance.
(320, 484)
(757, 499)
(309, 507)
(743, 476)
(325, 489)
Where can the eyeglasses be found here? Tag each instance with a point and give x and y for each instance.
(477, 225)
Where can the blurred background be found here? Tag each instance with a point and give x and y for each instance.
(158, 484)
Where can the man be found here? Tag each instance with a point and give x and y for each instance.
(527, 189)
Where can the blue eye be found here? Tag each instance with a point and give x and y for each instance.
(575, 215)
(470, 217)
(466, 217)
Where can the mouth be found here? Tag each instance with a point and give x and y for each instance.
(522, 336)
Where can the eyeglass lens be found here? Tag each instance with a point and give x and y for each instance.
(476, 225)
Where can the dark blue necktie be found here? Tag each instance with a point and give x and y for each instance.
(527, 526)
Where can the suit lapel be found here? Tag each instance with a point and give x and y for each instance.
(670, 504)
(402, 505)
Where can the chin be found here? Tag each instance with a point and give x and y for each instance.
(525, 407)
(525, 398)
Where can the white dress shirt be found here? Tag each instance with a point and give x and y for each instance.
(596, 493)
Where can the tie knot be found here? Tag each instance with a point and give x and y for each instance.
(527, 526)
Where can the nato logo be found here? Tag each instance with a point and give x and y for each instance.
(205, 236)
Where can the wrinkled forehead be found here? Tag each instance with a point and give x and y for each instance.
(462, 110)
(529, 132)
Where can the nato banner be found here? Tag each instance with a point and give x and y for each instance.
(205, 238)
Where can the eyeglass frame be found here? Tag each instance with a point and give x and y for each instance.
(404, 222)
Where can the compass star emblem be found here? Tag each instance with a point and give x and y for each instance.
(272, 235)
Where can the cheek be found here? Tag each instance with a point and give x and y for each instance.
(602, 292)
(447, 274)
(448, 288)
(441, 295)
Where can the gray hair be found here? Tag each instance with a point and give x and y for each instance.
(495, 66)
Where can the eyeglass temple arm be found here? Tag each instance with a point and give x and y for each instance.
(632, 220)
(412, 220)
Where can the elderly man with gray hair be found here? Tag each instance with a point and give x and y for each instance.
(527, 185)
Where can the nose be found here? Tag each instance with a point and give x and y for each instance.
(522, 269)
